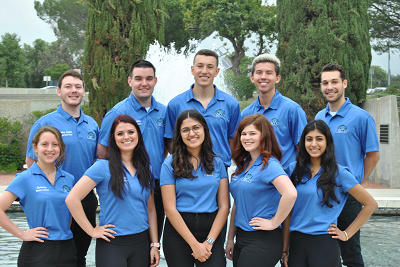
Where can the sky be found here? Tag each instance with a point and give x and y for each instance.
(19, 16)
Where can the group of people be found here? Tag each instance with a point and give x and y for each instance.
(296, 189)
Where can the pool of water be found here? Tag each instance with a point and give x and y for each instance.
(380, 240)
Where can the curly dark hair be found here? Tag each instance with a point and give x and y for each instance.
(268, 144)
(329, 168)
(180, 155)
(140, 160)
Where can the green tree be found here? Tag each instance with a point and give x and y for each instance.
(34, 67)
(118, 33)
(379, 78)
(234, 20)
(56, 70)
(385, 25)
(68, 20)
(240, 86)
(313, 33)
(11, 60)
(395, 79)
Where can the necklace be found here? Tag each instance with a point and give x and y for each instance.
(45, 171)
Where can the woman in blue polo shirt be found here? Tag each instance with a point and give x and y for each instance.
(263, 195)
(41, 191)
(124, 184)
(194, 188)
(322, 188)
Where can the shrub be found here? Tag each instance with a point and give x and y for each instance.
(11, 136)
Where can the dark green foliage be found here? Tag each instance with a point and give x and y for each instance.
(11, 137)
(12, 62)
(34, 71)
(240, 87)
(379, 78)
(313, 33)
(385, 24)
(56, 70)
(117, 34)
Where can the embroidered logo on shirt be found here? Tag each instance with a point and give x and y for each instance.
(219, 113)
(233, 178)
(341, 129)
(160, 122)
(212, 174)
(41, 188)
(274, 122)
(66, 133)
(139, 122)
(66, 188)
(91, 135)
(247, 178)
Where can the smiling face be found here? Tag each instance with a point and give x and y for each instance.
(126, 137)
(204, 70)
(194, 138)
(47, 149)
(333, 87)
(315, 143)
(71, 91)
(265, 78)
(250, 138)
(142, 83)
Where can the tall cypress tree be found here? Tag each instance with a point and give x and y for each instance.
(118, 32)
(313, 33)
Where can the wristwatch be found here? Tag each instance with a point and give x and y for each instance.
(210, 240)
(157, 245)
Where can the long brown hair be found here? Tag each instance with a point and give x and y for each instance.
(268, 144)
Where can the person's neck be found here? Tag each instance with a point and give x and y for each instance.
(266, 98)
(335, 106)
(203, 93)
(145, 103)
(74, 111)
(126, 158)
(254, 156)
(315, 165)
(47, 168)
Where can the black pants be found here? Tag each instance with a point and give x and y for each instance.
(48, 254)
(159, 208)
(313, 250)
(257, 248)
(82, 240)
(351, 249)
(124, 251)
(178, 253)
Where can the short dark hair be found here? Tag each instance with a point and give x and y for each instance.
(144, 64)
(70, 72)
(333, 67)
(206, 52)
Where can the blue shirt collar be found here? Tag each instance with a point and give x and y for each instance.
(217, 95)
(35, 169)
(136, 105)
(67, 116)
(343, 109)
(275, 102)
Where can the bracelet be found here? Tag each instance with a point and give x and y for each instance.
(347, 237)
(157, 245)
(285, 253)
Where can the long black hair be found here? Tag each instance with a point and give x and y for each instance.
(180, 155)
(329, 168)
(140, 160)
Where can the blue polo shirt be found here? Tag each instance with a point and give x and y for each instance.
(44, 204)
(222, 115)
(309, 215)
(354, 134)
(254, 193)
(80, 139)
(151, 124)
(288, 120)
(129, 215)
(195, 195)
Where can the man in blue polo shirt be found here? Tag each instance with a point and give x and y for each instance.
(221, 111)
(356, 144)
(150, 116)
(79, 133)
(286, 116)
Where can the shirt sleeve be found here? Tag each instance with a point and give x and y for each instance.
(98, 171)
(167, 173)
(221, 169)
(273, 170)
(298, 121)
(369, 136)
(234, 121)
(17, 186)
(345, 179)
(106, 127)
(170, 117)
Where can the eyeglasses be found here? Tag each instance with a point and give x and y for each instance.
(195, 129)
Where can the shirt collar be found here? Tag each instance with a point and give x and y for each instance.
(275, 102)
(343, 109)
(136, 105)
(217, 95)
(67, 116)
(35, 169)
